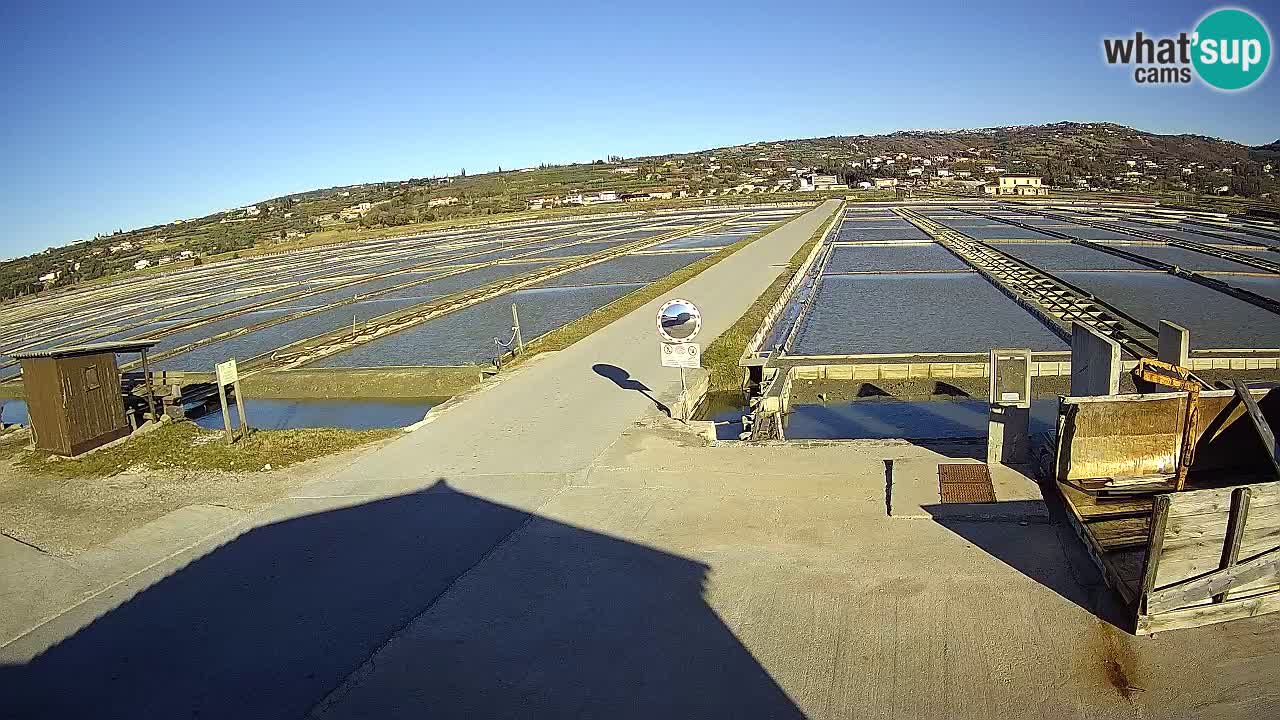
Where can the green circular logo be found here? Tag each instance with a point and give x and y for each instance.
(1232, 49)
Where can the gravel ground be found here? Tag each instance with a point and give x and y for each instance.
(64, 516)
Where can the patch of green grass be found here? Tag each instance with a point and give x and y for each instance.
(186, 446)
(11, 447)
(567, 335)
(721, 357)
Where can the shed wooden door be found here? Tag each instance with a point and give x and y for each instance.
(46, 402)
(94, 407)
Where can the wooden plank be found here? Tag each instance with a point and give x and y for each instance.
(244, 424)
(1260, 425)
(1096, 554)
(1208, 614)
(1215, 501)
(1198, 588)
(1259, 534)
(226, 416)
(1235, 529)
(1194, 540)
(1193, 545)
(1134, 435)
(1091, 508)
(1155, 543)
(1119, 533)
(1127, 564)
(1175, 567)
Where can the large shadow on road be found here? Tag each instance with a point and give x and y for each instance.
(553, 621)
(1045, 551)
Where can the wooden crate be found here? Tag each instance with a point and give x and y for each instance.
(1178, 559)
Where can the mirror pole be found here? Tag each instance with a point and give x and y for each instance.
(684, 400)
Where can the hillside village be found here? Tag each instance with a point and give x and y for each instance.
(1033, 160)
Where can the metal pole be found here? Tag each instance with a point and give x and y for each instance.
(515, 320)
(684, 399)
(151, 395)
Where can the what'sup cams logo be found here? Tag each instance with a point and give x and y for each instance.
(1229, 50)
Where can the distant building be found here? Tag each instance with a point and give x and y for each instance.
(881, 183)
(442, 201)
(1017, 185)
(355, 212)
(142, 264)
(813, 181)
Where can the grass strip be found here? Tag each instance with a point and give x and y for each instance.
(187, 446)
(571, 333)
(721, 357)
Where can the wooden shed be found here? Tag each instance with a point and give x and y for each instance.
(74, 397)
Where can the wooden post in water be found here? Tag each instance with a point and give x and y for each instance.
(515, 327)
(244, 424)
(226, 416)
(151, 393)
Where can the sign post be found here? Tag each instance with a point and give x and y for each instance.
(1009, 420)
(679, 322)
(228, 374)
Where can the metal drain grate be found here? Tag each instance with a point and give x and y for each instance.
(965, 483)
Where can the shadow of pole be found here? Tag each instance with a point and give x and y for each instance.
(496, 613)
(623, 379)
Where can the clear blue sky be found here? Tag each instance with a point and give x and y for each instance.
(118, 115)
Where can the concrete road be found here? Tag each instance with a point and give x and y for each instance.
(551, 547)
(568, 407)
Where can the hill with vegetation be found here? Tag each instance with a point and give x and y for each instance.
(1074, 156)
(1268, 153)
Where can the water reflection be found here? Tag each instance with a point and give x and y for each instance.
(13, 412)
(356, 414)
(905, 419)
(350, 414)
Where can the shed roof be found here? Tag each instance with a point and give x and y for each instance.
(126, 346)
